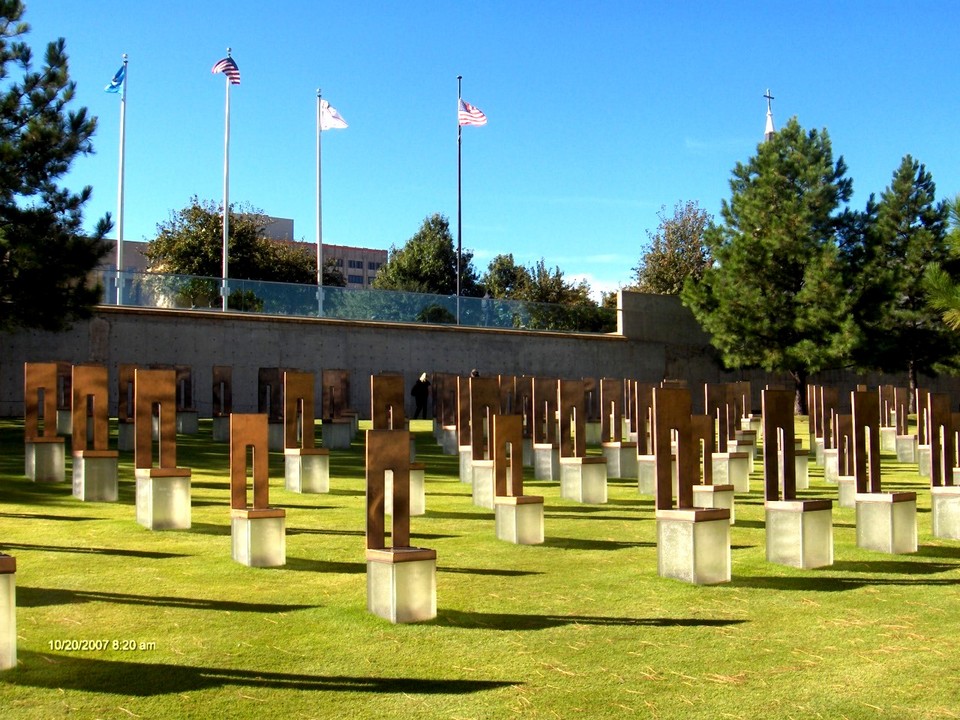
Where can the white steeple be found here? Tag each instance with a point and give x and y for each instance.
(769, 131)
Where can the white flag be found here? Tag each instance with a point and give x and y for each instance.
(330, 119)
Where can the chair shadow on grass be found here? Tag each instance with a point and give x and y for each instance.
(223, 485)
(613, 518)
(325, 566)
(28, 596)
(831, 584)
(41, 516)
(899, 567)
(361, 533)
(499, 572)
(300, 506)
(146, 554)
(144, 679)
(210, 528)
(568, 543)
(515, 621)
(940, 551)
(754, 524)
(643, 503)
(198, 502)
(579, 509)
(480, 514)
(348, 493)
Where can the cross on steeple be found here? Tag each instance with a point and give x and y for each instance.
(769, 130)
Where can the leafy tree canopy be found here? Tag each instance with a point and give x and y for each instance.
(191, 243)
(427, 263)
(677, 251)
(45, 260)
(559, 303)
(505, 279)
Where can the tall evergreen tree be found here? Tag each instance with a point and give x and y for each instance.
(902, 332)
(427, 263)
(774, 297)
(943, 290)
(45, 260)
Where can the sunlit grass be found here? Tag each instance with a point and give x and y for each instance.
(581, 626)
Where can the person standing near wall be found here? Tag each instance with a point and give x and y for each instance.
(420, 392)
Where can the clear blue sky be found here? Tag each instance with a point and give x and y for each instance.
(599, 112)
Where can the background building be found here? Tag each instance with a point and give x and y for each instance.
(359, 265)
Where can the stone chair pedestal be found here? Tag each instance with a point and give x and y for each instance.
(8, 612)
(906, 446)
(466, 464)
(801, 464)
(945, 509)
(125, 436)
(402, 584)
(923, 460)
(647, 474)
(418, 494)
(163, 498)
(800, 533)
(888, 439)
(584, 479)
(337, 434)
(621, 459)
(259, 537)
(887, 522)
(221, 429)
(306, 470)
(519, 519)
(831, 465)
(546, 461)
(693, 545)
(484, 489)
(449, 440)
(95, 475)
(732, 468)
(715, 496)
(45, 459)
(188, 422)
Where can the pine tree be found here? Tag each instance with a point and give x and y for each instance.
(45, 260)
(774, 297)
(906, 236)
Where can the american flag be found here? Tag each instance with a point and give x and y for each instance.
(228, 67)
(467, 114)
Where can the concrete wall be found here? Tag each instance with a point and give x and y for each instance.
(658, 338)
(247, 342)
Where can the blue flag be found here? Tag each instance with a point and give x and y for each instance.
(117, 82)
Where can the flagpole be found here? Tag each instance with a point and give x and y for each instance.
(459, 206)
(319, 217)
(123, 126)
(226, 191)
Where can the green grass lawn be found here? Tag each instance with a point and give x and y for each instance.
(579, 627)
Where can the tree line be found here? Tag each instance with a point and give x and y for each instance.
(791, 279)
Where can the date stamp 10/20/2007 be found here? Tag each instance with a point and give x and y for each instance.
(102, 644)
